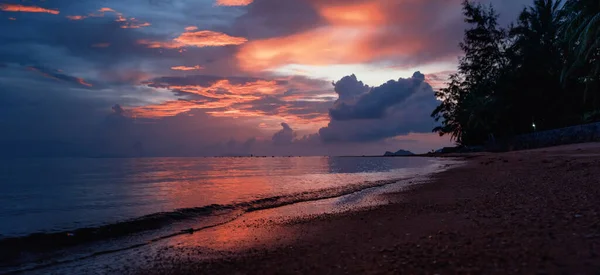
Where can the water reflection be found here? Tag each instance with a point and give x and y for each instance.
(64, 194)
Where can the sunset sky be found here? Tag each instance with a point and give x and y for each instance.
(218, 77)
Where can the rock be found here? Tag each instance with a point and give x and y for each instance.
(398, 153)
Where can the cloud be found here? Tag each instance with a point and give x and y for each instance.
(296, 100)
(349, 89)
(22, 8)
(177, 112)
(438, 80)
(284, 136)
(353, 14)
(186, 68)
(208, 39)
(276, 18)
(392, 109)
(234, 2)
(166, 109)
(409, 33)
(106, 10)
(193, 38)
(133, 24)
(118, 109)
(375, 103)
(199, 80)
(58, 75)
(125, 23)
(76, 17)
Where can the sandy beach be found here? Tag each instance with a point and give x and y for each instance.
(518, 212)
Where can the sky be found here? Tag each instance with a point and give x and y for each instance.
(94, 78)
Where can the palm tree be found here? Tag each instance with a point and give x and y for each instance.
(536, 53)
(582, 33)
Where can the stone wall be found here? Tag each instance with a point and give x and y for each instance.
(569, 135)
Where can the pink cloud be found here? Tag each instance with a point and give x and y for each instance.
(185, 68)
(234, 2)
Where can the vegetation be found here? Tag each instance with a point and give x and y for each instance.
(541, 72)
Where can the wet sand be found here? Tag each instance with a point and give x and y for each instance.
(518, 212)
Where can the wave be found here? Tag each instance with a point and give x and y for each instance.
(12, 249)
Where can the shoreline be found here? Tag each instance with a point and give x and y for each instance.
(90, 239)
(516, 212)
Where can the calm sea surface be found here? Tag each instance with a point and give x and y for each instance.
(49, 195)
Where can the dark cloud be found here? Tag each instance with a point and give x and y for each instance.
(117, 109)
(392, 109)
(273, 105)
(273, 18)
(375, 103)
(349, 89)
(284, 136)
(58, 75)
(199, 80)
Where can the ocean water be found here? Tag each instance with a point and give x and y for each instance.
(58, 195)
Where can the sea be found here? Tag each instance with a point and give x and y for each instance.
(68, 200)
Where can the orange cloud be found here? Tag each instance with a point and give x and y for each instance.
(82, 82)
(322, 46)
(368, 13)
(101, 45)
(198, 39)
(106, 10)
(165, 109)
(22, 8)
(131, 23)
(76, 17)
(356, 32)
(234, 2)
(238, 92)
(159, 44)
(191, 28)
(120, 18)
(226, 99)
(184, 68)
(208, 39)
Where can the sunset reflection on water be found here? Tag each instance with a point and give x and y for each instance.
(100, 191)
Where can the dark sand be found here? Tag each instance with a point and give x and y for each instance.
(520, 212)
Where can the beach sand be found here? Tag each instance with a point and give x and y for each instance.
(519, 212)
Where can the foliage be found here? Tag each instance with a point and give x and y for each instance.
(530, 76)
